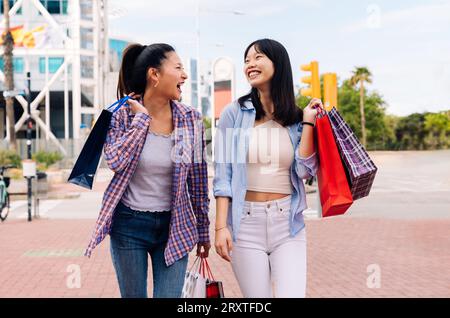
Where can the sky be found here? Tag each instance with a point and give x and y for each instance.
(404, 43)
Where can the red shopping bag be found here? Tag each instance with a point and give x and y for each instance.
(335, 195)
(214, 289)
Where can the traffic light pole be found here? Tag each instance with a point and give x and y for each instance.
(29, 127)
(313, 80)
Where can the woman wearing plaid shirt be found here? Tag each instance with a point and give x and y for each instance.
(263, 149)
(157, 202)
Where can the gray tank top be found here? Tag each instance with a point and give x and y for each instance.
(150, 188)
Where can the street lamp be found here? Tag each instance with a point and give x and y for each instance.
(234, 12)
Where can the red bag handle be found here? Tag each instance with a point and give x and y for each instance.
(205, 270)
(321, 112)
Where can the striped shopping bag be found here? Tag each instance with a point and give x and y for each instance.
(359, 167)
(334, 190)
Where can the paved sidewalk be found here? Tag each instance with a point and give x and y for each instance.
(42, 259)
(395, 243)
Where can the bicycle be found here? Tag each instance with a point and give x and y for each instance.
(4, 195)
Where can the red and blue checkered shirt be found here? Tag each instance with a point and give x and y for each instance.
(190, 202)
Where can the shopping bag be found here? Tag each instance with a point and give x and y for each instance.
(86, 165)
(334, 190)
(214, 288)
(359, 167)
(194, 282)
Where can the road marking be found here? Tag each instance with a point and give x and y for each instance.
(311, 214)
(17, 204)
(54, 253)
(406, 190)
(44, 207)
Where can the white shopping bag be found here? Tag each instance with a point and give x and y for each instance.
(194, 282)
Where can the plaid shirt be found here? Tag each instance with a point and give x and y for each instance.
(190, 202)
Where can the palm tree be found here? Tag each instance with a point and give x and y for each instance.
(8, 43)
(362, 75)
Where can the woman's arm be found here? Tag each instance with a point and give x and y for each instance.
(307, 147)
(222, 181)
(307, 159)
(223, 241)
(121, 144)
(198, 185)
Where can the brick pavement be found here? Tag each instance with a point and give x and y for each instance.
(40, 259)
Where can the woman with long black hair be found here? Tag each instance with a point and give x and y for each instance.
(264, 148)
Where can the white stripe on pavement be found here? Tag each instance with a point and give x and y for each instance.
(44, 207)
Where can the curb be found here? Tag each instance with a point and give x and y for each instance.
(48, 196)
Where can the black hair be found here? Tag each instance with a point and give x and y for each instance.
(281, 86)
(136, 61)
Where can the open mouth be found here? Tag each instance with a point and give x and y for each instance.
(179, 86)
(253, 74)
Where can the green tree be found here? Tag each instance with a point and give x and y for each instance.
(302, 101)
(365, 113)
(360, 76)
(410, 132)
(378, 133)
(390, 122)
(437, 126)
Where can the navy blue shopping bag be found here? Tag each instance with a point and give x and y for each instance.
(86, 165)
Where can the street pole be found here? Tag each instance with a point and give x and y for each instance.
(29, 127)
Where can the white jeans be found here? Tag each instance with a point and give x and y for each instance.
(268, 262)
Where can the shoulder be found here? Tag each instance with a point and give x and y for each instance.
(231, 110)
(188, 111)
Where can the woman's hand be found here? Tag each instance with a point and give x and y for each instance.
(135, 106)
(223, 243)
(206, 247)
(310, 112)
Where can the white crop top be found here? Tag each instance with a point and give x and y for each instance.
(269, 159)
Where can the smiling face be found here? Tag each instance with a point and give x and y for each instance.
(258, 68)
(171, 77)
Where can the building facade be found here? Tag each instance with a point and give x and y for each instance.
(64, 45)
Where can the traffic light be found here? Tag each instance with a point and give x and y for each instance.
(313, 80)
(329, 91)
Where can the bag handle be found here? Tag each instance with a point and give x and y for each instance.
(321, 112)
(198, 265)
(206, 270)
(120, 102)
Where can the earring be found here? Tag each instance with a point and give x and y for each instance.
(156, 84)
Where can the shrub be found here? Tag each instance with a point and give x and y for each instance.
(10, 157)
(45, 159)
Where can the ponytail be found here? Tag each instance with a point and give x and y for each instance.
(126, 69)
(136, 61)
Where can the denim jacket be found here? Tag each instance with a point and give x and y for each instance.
(230, 180)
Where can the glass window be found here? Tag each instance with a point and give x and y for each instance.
(44, 3)
(54, 6)
(11, 3)
(53, 64)
(64, 6)
(17, 64)
(193, 70)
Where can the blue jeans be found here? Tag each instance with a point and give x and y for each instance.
(134, 235)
